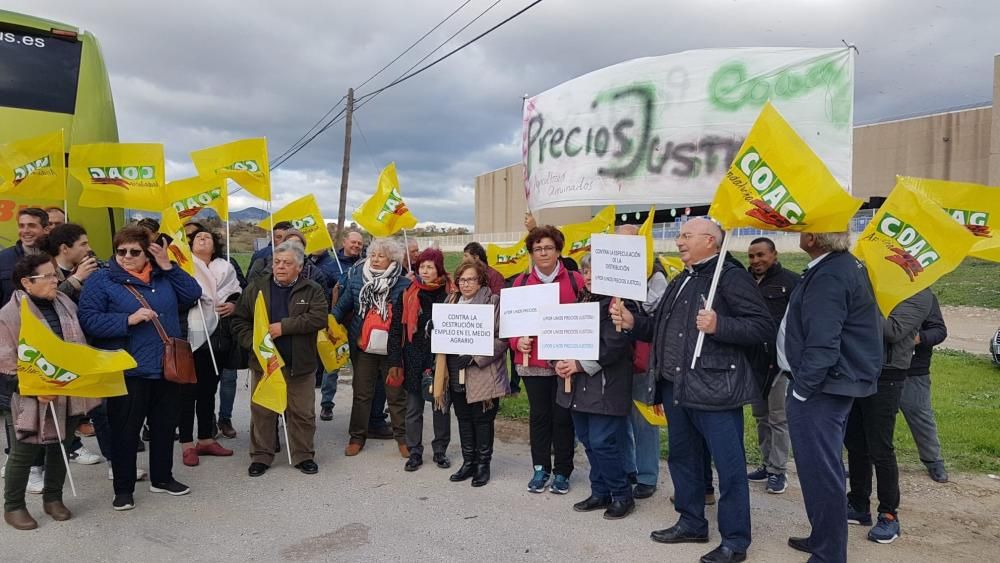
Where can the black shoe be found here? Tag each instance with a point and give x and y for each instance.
(308, 467)
(482, 475)
(442, 461)
(800, 544)
(483, 432)
(173, 488)
(938, 474)
(641, 491)
(633, 478)
(465, 471)
(723, 554)
(592, 503)
(380, 433)
(326, 413)
(674, 534)
(619, 509)
(257, 469)
(414, 463)
(123, 501)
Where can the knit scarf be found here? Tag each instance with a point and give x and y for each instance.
(375, 291)
(411, 303)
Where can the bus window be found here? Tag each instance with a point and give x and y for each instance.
(38, 72)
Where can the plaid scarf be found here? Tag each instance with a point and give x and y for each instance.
(375, 291)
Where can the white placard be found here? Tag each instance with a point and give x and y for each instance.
(462, 329)
(519, 308)
(618, 266)
(569, 332)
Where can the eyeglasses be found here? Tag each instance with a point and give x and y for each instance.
(42, 276)
(689, 236)
(467, 281)
(543, 249)
(133, 252)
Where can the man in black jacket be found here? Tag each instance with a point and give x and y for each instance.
(775, 284)
(830, 343)
(32, 224)
(704, 402)
(916, 401)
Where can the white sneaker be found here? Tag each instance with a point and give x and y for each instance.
(83, 456)
(36, 480)
(140, 474)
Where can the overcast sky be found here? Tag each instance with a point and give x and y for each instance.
(193, 73)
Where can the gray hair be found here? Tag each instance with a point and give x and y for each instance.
(294, 248)
(390, 247)
(833, 242)
(585, 262)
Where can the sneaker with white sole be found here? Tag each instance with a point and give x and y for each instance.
(36, 480)
(776, 483)
(886, 530)
(140, 473)
(83, 456)
(123, 501)
(173, 488)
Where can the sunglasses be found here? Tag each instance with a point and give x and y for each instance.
(133, 252)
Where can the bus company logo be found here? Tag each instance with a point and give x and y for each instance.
(975, 221)
(393, 205)
(39, 167)
(32, 359)
(772, 203)
(190, 206)
(914, 253)
(123, 176)
(250, 166)
(505, 259)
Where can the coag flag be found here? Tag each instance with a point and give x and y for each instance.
(385, 213)
(271, 392)
(776, 182)
(305, 216)
(244, 161)
(672, 265)
(651, 416)
(974, 205)
(127, 176)
(509, 260)
(179, 250)
(334, 349)
(909, 244)
(578, 234)
(35, 167)
(646, 230)
(189, 196)
(48, 365)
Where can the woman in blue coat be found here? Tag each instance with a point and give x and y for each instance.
(113, 318)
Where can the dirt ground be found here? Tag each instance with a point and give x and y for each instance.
(970, 328)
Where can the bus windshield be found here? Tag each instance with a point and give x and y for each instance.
(38, 72)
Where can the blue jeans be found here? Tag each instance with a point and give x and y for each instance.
(722, 431)
(329, 389)
(641, 448)
(227, 393)
(600, 435)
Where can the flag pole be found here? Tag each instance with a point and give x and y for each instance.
(62, 446)
(288, 445)
(208, 341)
(711, 295)
(406, 250)
(270, 217)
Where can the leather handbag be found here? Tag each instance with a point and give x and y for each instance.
(178, 359)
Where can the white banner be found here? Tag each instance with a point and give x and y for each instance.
(519, 308)
(569, 332)
(462, 329)
(664, 129)
(618, 266)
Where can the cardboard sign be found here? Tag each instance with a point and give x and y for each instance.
(569, 332)
(519, 308)
(462, 329)
(618, 266)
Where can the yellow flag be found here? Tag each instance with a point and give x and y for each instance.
(578, 234)
(974, 205)
(271, 392)
(189, 196)
(672, 265)
(179, 250)
(305, 216)
(244, 161)
(909, 244)
(509, 260)
(34, 167)
(776, 182)
(48, 365)
(127, 176)
(334, 349)
(651, 417)
(385, 213)
(646, 230)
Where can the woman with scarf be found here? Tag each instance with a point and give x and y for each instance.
(36, 283)
(220, 289)
(550, 428)
(475, 393)
(369, 302)
(410, 349)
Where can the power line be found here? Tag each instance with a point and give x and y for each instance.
(310, 130)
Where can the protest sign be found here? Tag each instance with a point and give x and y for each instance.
(462, 329)
(519, 308)
(618, 266)
(569, 332)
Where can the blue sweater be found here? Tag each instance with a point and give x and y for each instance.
(105, 305)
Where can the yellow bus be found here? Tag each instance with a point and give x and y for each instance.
(52, 76)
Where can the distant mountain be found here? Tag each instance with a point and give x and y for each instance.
(250, 214)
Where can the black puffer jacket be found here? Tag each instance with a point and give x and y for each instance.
(414, 356)
(723, 378)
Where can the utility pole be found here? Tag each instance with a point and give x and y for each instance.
(347, 166)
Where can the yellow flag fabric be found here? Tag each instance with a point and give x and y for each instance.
(35, 167)
(127, 176)
(304, 215)
(974, 205)
(244, 161)
(651, 417)
(334, 349)
(646, 230)
(578, 234)
(179, 250)
(385, 213)
(672, 265)
(271, 392)
(776, 182)
(190, 195)
(509, 260)
(909, 244)
(48, 365)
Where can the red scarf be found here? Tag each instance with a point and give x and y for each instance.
(411, 303)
